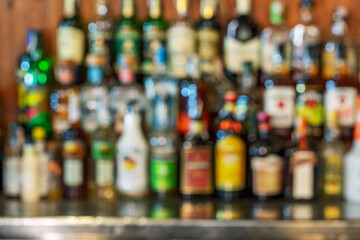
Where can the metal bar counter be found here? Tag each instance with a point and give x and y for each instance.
(177, 219)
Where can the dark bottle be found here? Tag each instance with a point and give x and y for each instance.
(74, 154)
(302, 166)
(241, 43)
(267, 167)
(154, 40)
(196, 173)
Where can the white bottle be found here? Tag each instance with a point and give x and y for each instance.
(30, 190)
(352, 165)
(132, 157)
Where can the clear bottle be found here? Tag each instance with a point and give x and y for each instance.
(181, 41)
(132, 156)
(30, 180)
(242, 42)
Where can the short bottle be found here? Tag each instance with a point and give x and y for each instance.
(30, 181)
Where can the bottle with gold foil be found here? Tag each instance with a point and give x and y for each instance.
(196, 159)
(208, 37)
(181, 41)
(127, 39)
(154, 40)
(230, 158)
(332, 159)
(267, 167)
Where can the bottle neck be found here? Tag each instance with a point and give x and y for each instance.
(207, 9)
(70, 8)
(306, 15)
(155, 10)
(132, 124)
(196, 127)
(182, 7)
(243, 7)
(101, 7)
(302, 142)
(128, 9)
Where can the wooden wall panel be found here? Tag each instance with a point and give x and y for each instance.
(18, 15)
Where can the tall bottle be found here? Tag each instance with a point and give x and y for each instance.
(154, 40)
(279, 94)
(242, 42)
(71, 39)
(339, 69)
(208, 37)
(181, 41)
(74, 155)
(332, 159)
(127, 39)
(132, 157)
(352, 164)
(30, 179)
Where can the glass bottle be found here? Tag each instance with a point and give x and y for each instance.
(267, 167)
(132, 156)
(196, 159)
(70, 39)
(279, 94)
(181, 41)
(55, 170)
(30, 174)
(230, 158)
(242, 42)
(352, 164)
(12, 162)
(302, 165)
(332, 159)
(154, 40)
(94, 95)
(127, 39)
(208, 37)
(74, 155)
(338, 72)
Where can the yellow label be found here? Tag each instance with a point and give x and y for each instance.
(70, 44)
(333, 175)
(230, 164)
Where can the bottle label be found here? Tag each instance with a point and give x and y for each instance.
(310, 105)
(104, 155)
(154, 51)
(306, 59)
(44, 173)
(70, 44)
(127, 48)
(74, 153)
(237, 52)
(208, 48)
(333, 174)
(276, 58)
(302, 165)
(12, 176)
(99, 42)
(267, 175)
(163, 174)
(342, 100)
(197, 171)
(30, 177)
(181, 44)
(279, 103)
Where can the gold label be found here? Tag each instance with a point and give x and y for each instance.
(70, 44)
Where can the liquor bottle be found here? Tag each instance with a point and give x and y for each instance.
(30, 175)
(267, 167)
(154, 40)
(12, 162)
(230, 158)
(100, 31)
(132, 156)
(352, 164)
(40, 145)
(193, 101)
(127, 39)
(332, 159)
(302, 169)
(71, 39)
(181, 41)
(94, 95)
(339, 68)
(208, 37)
(74, 155)
(196, 159)
(242, 42)
(55, 170)
(279, 94)
(103, 154)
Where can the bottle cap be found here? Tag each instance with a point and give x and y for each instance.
(277, 10)
(340, 14)
(38, 133)
(230, 96)
(307, 3)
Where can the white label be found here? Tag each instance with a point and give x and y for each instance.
(30, 190)
(342, 100)
(352, 177)
(104, 173)
(276, 58)
(236, 53)
(73, 172)
(12, 176)
(279, 103)
(70, 44)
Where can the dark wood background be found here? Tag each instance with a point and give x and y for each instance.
(16, 16)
